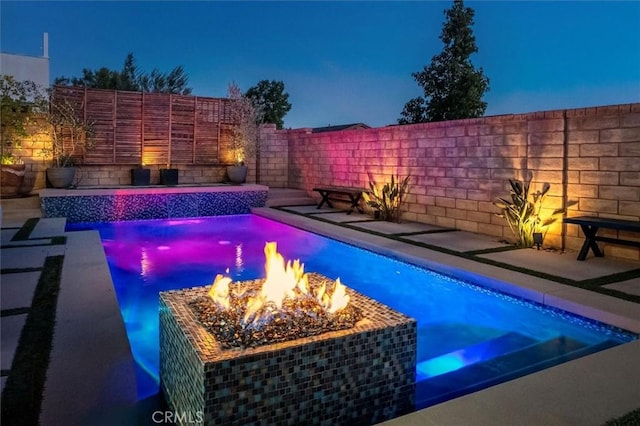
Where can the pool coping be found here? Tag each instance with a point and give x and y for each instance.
(587, 391)
(153, 189)
(91, 375)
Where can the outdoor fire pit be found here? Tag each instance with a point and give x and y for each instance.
(291, 348)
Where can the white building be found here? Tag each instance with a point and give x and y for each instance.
(25, 67)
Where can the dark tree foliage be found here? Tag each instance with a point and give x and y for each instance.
(270, 97)
(132, 79)
(413, 111)
(128, 79)
(453, 88)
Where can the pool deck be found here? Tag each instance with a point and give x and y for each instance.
(90, 335)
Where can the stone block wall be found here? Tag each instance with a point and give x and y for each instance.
(457, 168)
(113, 175)
(603, 169)
(274, 157)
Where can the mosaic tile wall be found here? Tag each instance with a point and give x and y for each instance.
(364, 375)
(107, 208)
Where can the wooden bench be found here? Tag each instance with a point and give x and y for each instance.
(352, 195)
(590, 226)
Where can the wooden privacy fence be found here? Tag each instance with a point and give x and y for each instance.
(152, 128)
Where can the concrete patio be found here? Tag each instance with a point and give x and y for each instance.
(90, 333)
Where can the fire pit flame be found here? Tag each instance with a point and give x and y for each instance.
(286, 306)
(282, 281)
(219, 292)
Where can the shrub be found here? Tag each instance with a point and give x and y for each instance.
(388, 200)
(71, 134)
(522, 211)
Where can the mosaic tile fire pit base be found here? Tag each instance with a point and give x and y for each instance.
(363, 375)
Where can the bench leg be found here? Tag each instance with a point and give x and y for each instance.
(325, 199)
(589, 242)
(355, 203)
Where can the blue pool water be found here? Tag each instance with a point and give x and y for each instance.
(469, 337)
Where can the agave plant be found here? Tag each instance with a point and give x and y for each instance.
(387, 200)
(522, 211)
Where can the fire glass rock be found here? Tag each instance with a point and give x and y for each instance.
(299, 317)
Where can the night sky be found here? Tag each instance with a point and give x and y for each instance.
(345, 62)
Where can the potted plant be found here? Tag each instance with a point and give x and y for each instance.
(71, 136)
(169, 176)
(522, 211)
(21, 102)
(140, 176)
(387, 201)
(244, 133)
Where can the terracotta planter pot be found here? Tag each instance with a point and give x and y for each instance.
(61, 177)
(237, 174)
(12, 178)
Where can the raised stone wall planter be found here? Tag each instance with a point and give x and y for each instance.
(363, 375)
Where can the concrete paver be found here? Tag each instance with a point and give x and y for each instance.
(459, 241)
(561, 264)
(7, 235)
(629, 286)
(24, 257)
(11, 329)
(310, 209)
(50, 227)
(391, 228)
(341, 217)
(17, 218)
(17, 289)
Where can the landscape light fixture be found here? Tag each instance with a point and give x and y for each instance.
(537, 239)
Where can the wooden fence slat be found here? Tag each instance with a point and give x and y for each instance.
(158, 127)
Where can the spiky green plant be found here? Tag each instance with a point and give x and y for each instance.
(522, 211)
(388, 200)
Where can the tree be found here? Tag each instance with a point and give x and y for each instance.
(271, 99)
(453, 88)
(128, 78)
(158, 82)
(245, 132)
(413, 111)
(132, 79)
(21, 103)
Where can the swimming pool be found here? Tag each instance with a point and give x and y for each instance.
(468, 337)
